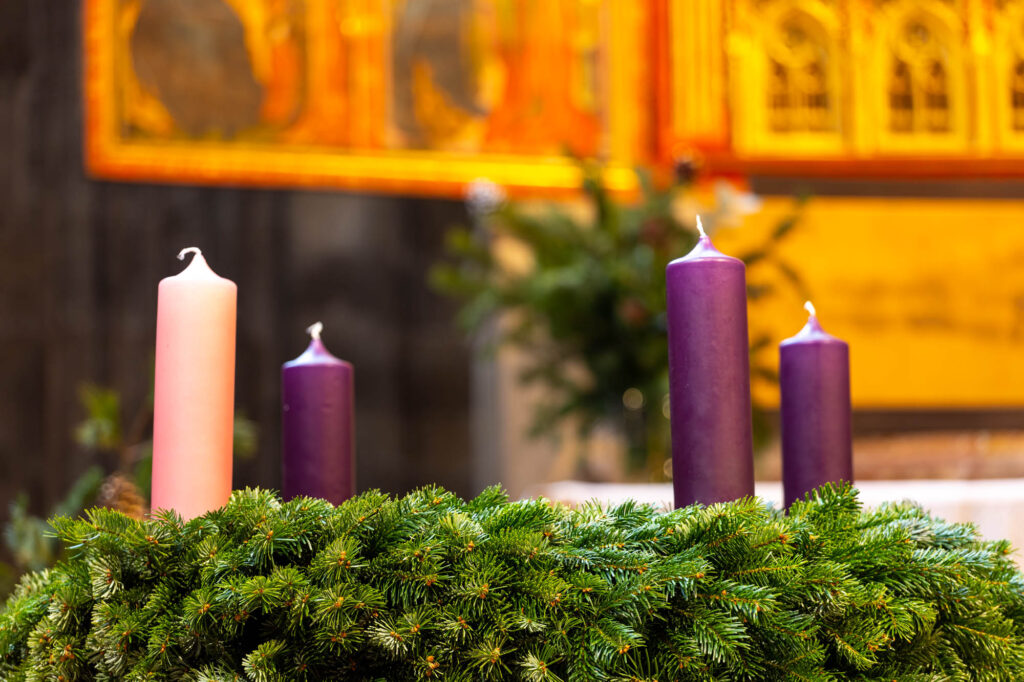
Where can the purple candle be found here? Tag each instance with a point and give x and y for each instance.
(709, 376)
(814, 377)
(317, 425)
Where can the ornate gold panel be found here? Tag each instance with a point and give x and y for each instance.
(853, 86)
(428, 95)
(787, 67)
(918, 76)
(405, 95)
(1006, 51)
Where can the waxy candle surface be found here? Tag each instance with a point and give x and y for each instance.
(194, 390)
(814, 380)
(709, 377)
(317, 425)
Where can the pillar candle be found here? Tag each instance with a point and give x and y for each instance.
(814, 379)
(194, 390)
(317, 424)
(709, 376)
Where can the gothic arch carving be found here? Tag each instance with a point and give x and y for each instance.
(790, 93)
(920, 76)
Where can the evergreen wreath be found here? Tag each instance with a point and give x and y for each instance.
(428, 587)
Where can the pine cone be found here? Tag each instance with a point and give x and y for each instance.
(120, 492)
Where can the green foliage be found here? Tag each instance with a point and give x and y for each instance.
(27, 536)
(428, 587)
(101, 428)
(101, 432)
(245, 436)
(588, 293)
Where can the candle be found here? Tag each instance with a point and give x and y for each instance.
(317, 424)
(194, 390)
(709, 376)
(814, 378)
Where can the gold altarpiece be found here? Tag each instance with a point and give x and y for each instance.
(849, 87)
(409, 96)
(424, 96)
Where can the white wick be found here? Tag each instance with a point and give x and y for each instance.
(809, 307)
(315, 329)
(186, 251)
(700, 228)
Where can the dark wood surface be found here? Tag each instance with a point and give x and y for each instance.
(80, 261)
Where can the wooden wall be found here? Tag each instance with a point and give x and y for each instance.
(80, 261)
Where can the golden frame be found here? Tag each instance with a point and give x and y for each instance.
(111, 154)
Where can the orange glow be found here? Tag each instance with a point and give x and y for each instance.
(395, 96)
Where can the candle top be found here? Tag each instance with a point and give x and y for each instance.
(812, 331)
(316, 352)
(198, 269)
(704, 250)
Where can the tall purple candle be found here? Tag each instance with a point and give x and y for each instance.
(317, 425)
(814, 377)
(709, 376)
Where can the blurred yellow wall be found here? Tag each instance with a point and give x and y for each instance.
(928, 292)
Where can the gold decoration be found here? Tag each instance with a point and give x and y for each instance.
(409, 95)
(848, 82)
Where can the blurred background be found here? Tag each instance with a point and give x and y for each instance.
(478, 199)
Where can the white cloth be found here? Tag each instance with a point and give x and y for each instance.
(994, 506)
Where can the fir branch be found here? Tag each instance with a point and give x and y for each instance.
(428, 587)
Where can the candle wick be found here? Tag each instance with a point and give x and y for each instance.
(700, 228)
(809, 307)
(191, 249)
(315, 329)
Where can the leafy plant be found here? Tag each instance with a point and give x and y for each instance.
(428, 587)
(584, 297)
(126, 487)
(28, 538)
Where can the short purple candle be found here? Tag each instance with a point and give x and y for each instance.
(814, 378)
(317, 425)
(709, 376)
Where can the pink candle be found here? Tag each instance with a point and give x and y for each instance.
(194, 390)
